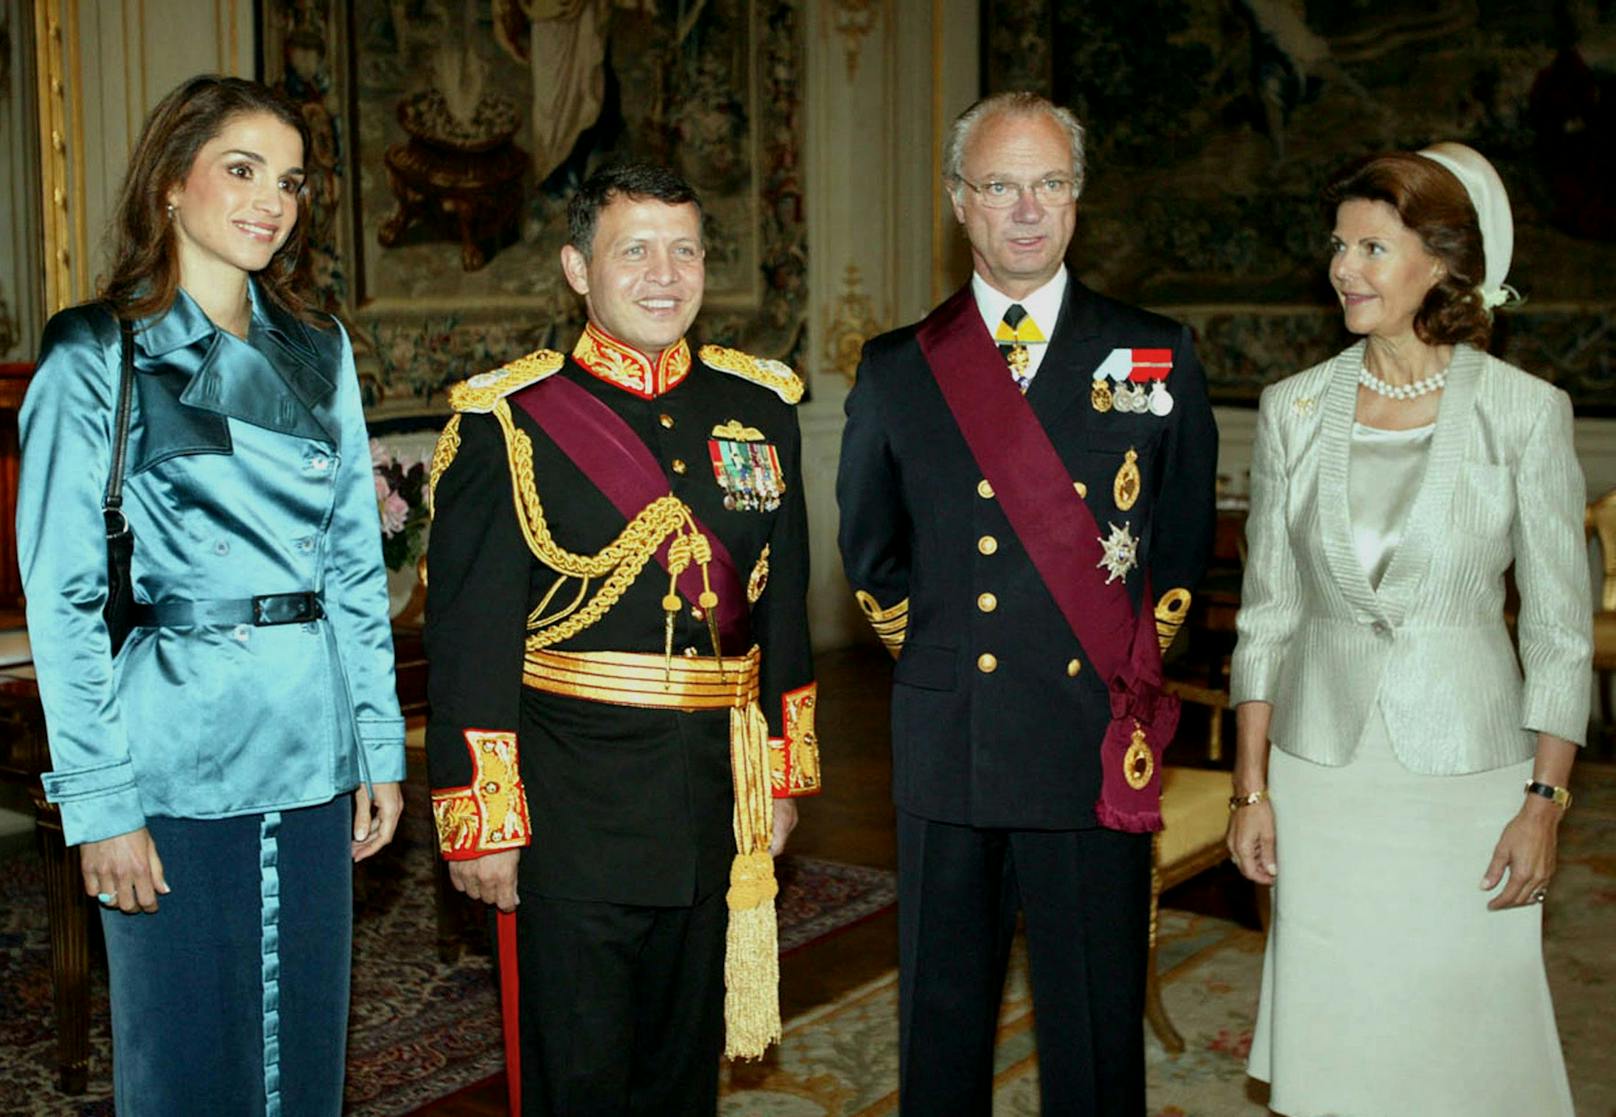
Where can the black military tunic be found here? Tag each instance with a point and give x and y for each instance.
(626, 806)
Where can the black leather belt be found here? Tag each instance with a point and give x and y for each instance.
(265, 609)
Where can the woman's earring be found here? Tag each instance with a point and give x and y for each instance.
(171, 211)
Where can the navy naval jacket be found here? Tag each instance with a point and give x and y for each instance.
(997, 715)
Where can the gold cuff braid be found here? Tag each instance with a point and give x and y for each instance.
(1171, 610)
(891, 624)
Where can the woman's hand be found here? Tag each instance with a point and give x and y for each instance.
(1527, 849)
(126, 868)
(1251, 842)
(375, 820)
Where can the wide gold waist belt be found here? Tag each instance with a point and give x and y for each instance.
(645, 678)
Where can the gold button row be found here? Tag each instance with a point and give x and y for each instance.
(679, 466)
(666, 420)
(987, 544)
(987, 602)
(987, 663)
(984, 489)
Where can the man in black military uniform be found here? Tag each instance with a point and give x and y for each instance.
(999, 707)
(621, 684)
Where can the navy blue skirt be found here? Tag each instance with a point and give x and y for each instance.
(233, 997)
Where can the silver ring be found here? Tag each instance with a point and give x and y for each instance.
(107, 897)
(1540, 895)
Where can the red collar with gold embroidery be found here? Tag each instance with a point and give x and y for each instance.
(602, 355)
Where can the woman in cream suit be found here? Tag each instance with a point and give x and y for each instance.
(1391, 756)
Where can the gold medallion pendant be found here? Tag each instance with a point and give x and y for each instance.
(1100, 395)
(1125, 488)
(1138, 763)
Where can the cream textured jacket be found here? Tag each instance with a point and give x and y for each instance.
(1429, 649)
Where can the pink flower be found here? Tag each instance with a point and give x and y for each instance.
(380, 455)
(394, 513)
(383, 489)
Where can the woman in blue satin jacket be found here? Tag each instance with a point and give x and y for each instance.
(221, 773)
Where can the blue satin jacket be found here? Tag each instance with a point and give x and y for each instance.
(248, 473)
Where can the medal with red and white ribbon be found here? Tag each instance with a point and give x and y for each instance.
(1134, 372)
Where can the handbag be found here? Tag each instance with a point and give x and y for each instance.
(120, 539)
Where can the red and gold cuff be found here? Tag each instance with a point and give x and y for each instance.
(490, 813)
(794, 758)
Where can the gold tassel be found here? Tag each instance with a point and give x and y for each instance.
(751, 946)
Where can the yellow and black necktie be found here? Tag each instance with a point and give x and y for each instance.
(1013, 334)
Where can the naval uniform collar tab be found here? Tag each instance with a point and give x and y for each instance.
(616, 362)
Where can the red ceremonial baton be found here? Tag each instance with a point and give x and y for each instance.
(507, 1005)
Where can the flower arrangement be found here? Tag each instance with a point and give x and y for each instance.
(401, 500)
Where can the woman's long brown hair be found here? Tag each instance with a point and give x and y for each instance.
(145, 257)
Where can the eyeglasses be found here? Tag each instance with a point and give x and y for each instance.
(1052, 191)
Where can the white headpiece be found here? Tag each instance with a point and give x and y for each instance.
(1491, 202)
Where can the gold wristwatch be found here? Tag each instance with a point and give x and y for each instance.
(1560, 796)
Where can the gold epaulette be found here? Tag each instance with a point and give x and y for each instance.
(480, 393)
(773, 375)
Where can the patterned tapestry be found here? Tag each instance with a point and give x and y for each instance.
(450, 133)
(1214, 124)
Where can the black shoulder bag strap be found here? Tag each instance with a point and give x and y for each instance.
(120, 539)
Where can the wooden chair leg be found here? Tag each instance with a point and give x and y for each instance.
(1155, 1011)
(70, 951)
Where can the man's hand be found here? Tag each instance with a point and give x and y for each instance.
(785, 821)
(375, 820)
(126, 868)
(490, 878)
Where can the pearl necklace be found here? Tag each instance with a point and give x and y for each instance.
(1432, 383)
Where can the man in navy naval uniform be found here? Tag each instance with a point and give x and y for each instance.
(1026, 492)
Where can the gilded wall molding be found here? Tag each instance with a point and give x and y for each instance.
(852, 20)
(53, 140)
(849, 324)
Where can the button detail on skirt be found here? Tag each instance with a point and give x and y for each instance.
(987, 544)
(987, 602)
(987, 663)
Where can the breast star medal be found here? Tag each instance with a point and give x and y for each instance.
(1121, 553)
(1125, 487)
(1138, 763)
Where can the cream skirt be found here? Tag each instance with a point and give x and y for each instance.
(1389, 989)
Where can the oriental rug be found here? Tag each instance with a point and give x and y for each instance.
(420, 1028)
(841, 1060)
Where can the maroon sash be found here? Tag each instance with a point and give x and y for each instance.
(1063, 541)
(618, 463)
